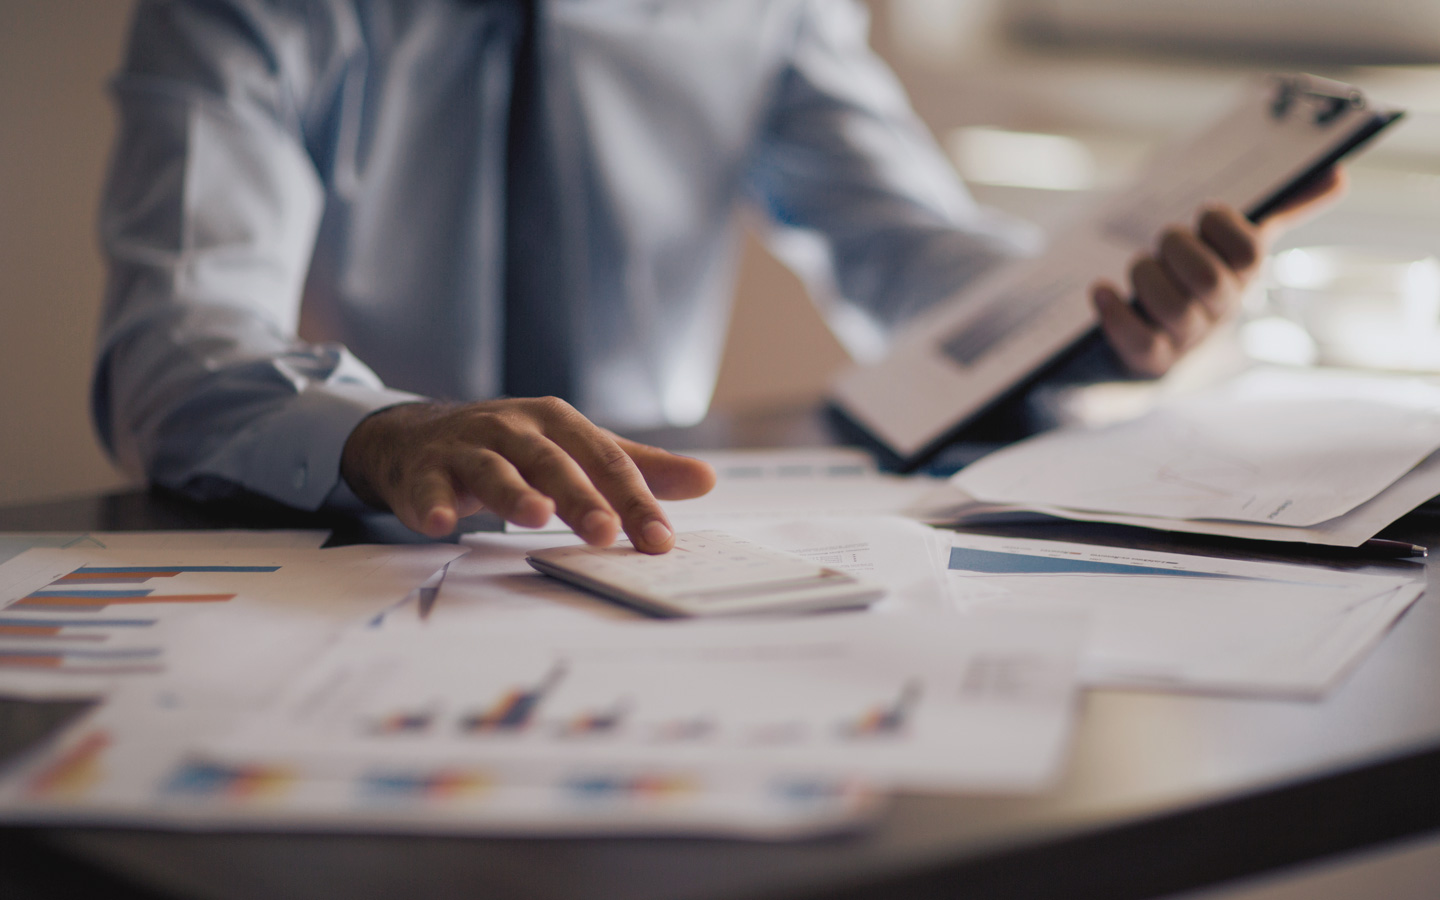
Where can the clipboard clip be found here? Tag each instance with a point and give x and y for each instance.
(1328, 102)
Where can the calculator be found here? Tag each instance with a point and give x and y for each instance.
(708, 573)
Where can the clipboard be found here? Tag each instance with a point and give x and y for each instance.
(1000, 335)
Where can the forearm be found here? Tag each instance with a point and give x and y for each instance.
(201, 401)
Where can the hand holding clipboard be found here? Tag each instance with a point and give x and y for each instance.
(988, 341)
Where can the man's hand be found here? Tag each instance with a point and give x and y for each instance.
(1195, 279)
(524, 460)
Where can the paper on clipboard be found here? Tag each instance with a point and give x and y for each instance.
(956, 360)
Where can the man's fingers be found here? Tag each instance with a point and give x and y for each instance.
(1142, 347)
(1167, 303)
(1233, 238)
(669, 475)
(552, 471)
(616, 476)
(428, 504)
(526, 459)
(499, 487)
(1199, 271)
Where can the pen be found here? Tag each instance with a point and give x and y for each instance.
(430, 592)
(1381, 548)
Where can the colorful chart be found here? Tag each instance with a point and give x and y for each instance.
(74, 772)
(38, 631)
(205, 779)
(516, 710)
(404, 722)
(611, 788)
(439, 785)
(886, 720)
(596, 723)
(78, 601)
(126, 661)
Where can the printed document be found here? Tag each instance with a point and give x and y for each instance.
(1170, 621)
(192, 626)
(978, 702)
(133, 764)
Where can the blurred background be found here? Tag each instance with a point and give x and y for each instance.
(1042, 104)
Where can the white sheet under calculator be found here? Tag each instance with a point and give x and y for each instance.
(709, 573)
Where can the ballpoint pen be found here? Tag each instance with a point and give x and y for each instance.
(1384, 548)
(430, 591)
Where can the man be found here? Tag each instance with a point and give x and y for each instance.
(495, 198)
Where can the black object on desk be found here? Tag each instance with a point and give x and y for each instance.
(1161, 793)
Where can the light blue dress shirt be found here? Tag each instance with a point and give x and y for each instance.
(351, 154)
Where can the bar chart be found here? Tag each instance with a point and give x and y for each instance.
(516, 710)
(63, 628)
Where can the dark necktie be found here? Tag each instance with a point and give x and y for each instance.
(538, 350)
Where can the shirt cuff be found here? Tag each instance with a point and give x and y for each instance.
(301, 464)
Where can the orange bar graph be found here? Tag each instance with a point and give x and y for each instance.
(32, 661)
(29, 630)
(74, 771)
(56, 599)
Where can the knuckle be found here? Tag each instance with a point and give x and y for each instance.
(485, 424)
(549, 461)
(1205, 277)
(635, 506)
(552, 408)
(485, 466)
(613, 457)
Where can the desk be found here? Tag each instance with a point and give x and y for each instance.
(1161, 793)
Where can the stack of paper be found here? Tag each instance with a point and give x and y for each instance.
(275, 685)
(1172, 621)
(980, 702)
(200, 627)
(1321, 458)
(190, 644)
(131, 763)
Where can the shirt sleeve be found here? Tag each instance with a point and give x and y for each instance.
(842, 155)
(208, 221)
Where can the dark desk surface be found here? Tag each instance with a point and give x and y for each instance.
(1161, 793)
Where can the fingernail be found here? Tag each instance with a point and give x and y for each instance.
(656, 532)
(595, 521)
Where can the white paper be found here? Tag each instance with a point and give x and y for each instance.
(13, 543)
(891, 551)
(790, 483)
(945, 702)
(70, 625)
(1191, 623)
(493, 583)
(1290, 461)
(132, 764)
(953, 504)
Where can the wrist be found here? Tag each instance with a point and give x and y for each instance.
(375, 445)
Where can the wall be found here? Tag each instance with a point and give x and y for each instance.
(55, 130)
